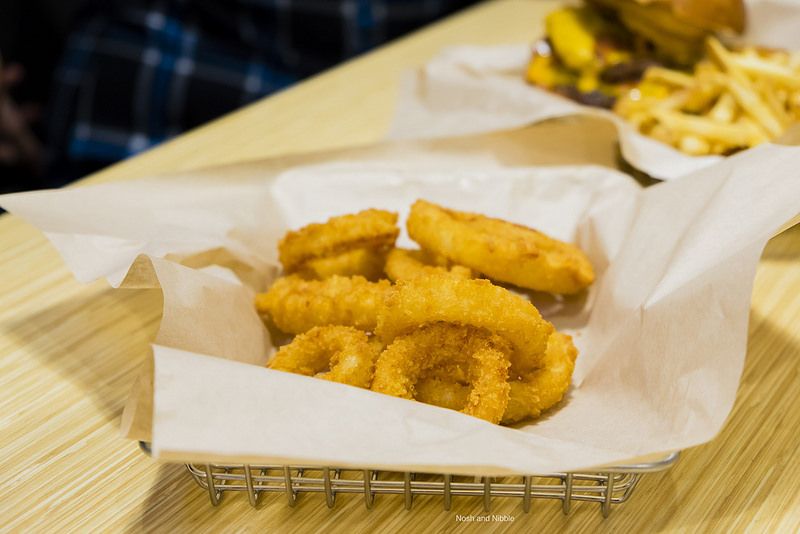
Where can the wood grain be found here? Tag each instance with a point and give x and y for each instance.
(70, 351)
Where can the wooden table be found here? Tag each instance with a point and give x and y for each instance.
(69, 353)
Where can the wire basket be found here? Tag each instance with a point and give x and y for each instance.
(612, 486)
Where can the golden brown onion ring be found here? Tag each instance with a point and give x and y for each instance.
(296, 305)
(442, 392)
(367, 262)
(541, 389)
(410, 355)
(405, 264)
(501, 250)
(479, 303)
(366, 229)
(529, 396)
(337, 353)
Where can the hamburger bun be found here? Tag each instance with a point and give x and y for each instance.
(713, 15)
(676, 29)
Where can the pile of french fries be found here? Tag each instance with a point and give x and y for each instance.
(733, 100)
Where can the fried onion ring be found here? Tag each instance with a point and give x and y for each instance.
(405, 264)
(410, 355)
(529, 396)
(442, 392)
(543, 388)
(367, 262)
(501, 250)
(367, 229)
(342, 350)
(296, 305)
(476, 302)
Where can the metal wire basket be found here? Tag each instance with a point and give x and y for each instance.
(611, 486)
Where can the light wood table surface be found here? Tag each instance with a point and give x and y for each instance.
(69, 353)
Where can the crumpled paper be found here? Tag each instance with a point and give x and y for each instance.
(476, 89)
(662, 332)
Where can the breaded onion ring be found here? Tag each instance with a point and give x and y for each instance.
(543, 388)
(529, 396)
(501, 250)
(475, 302)
(367, 229)
(366, 262)
(406, 359)
(296, 305)
(405, 264)
(442, 392)
(343, 351)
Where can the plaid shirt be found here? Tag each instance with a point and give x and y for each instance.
(137, 72)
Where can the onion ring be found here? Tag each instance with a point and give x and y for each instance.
(344, 350)
(529, 396)
(367, 262)
(296, 305)
(442, 392)
(406, 359)
(405, 264)
(366, 229)
(501, 250)
(475, 302)
(543, 388)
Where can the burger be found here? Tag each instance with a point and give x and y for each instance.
(593, 52)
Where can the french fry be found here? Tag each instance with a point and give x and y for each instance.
(676, 100)
(732, 134)
(669, 77)
(629, 107)
(793, 101)
(724, 110)
(771, 98)
(720, 149)
(757, 67)
(702, 97)
(754, 105)
(640, 120)
(742, 89)
(664, 134)
(694, 145)
(758, 135)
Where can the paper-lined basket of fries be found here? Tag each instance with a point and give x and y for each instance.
(685, 83)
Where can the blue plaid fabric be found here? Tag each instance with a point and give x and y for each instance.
(136, 72)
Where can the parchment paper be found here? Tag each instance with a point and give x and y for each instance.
(472, 89)
(662, 333)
